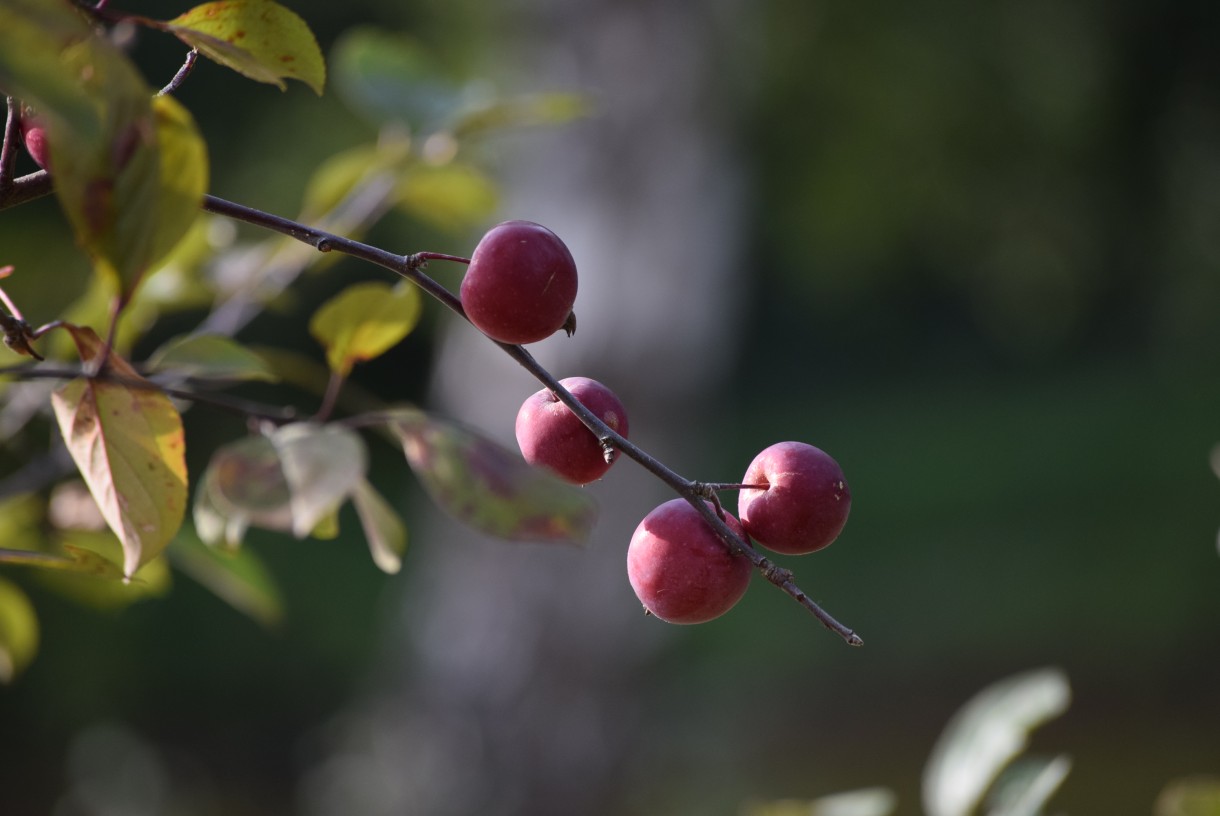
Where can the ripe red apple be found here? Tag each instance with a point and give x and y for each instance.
(680, 569)
(521, 283)
(805, 503)
(551, 436)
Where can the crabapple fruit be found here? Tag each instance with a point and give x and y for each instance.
(521, 283)
(551, 436)
(804, 504)
(679, 567)
(35, 137)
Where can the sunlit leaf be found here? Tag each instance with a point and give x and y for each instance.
(18, 631)
(322, 465)
(985, 735)
(383, 528)
(364, 321)
(391, 77)
(864, 802)
(1193, 796)
(1025, 787)
(210, 356)
(239, 578)
(448, 196)
(152, 579)
(128, 444)
(259, 39)
(489, 487)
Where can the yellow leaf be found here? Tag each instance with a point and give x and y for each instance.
(259, 39)
(128, 444)
(364, 321)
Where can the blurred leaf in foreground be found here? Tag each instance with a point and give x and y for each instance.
(863, 802)
(238, 577)
(18, 631)
(1194, 796)
(985, 735)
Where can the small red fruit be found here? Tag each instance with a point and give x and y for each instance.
(551, 436)
(35, 137)
(680, 569)
(521, 283)
(805, 503)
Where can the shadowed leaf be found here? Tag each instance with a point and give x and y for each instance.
(985, 735)
(210, 356)
(383, 528)
(243, 485)
(259, 39)
(293, 480)
(489, 487)
(364, 321)
(239, 577)
(76, 560)
(391, 77)
(128, 444)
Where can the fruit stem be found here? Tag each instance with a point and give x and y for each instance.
(8, 148)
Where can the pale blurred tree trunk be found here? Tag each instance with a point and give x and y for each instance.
(513, 673)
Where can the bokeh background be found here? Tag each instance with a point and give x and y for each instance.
(972, 251)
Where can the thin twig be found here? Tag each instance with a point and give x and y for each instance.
(183, 73)
(8, 148)
(236, 405)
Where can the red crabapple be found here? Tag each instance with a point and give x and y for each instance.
(680, 569)
(551, 436)
(35, 137)
(805, 503)
(521, 283)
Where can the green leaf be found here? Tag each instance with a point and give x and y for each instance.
(33, 36)
(383, 528)
(391, 77)
(18, 631)
(1193, 796)
(523, 111)
(292, 480)
(364, 321)
(322, 465)
(210, 356)
(489, 487)
(128, 444)
(130, 169)
(104, 551)
(450, 196)
(343, 174)
(259, 39)
(239, 578)
(985, 735)
(243, 485)
(79, 560)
